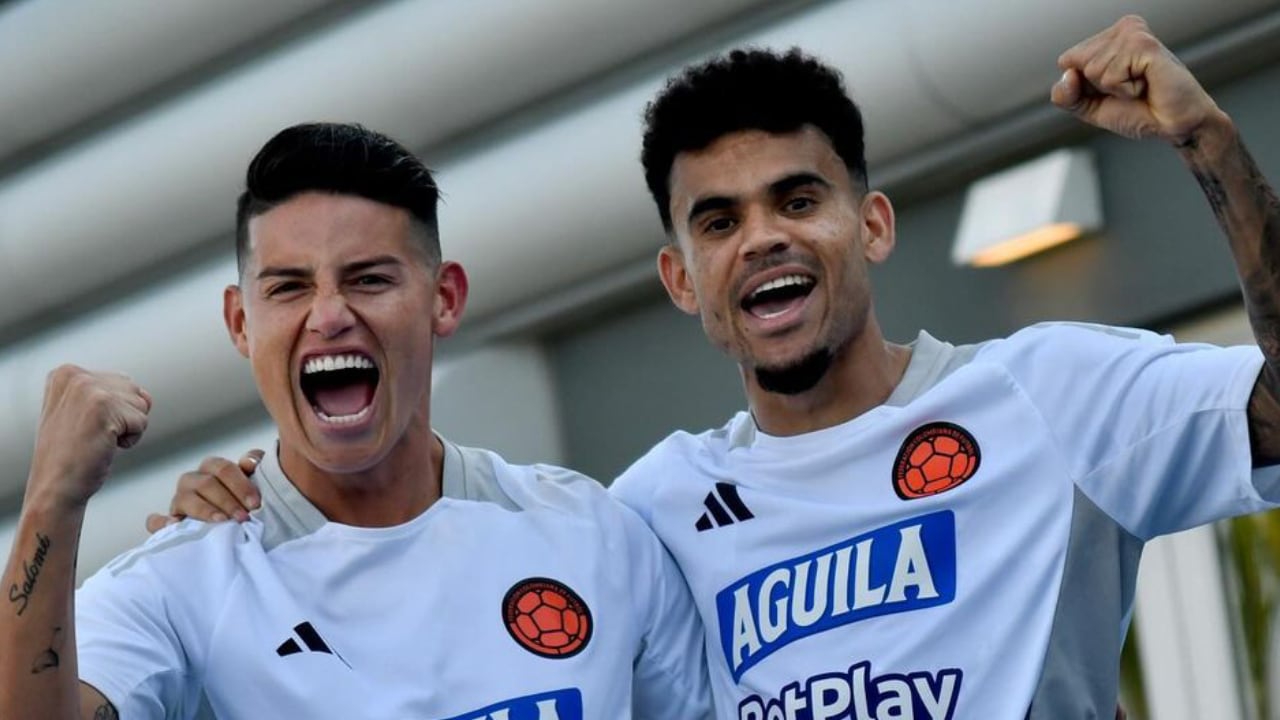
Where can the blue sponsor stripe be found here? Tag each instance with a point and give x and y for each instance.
(567, 704)
(937, 539)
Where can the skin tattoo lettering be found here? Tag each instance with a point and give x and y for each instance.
(30, 573)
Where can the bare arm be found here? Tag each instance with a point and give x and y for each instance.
(38, 626)
(38, 664)
(1248, 211)
(85, 417)
(1125, 81)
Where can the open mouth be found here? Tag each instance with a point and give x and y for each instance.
(777, 296)
(340, 388)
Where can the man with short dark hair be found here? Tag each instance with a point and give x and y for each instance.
(933, 531)
(389, 573)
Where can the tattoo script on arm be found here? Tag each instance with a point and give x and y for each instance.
(20, 595)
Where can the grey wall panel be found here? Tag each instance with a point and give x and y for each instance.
(627, 382)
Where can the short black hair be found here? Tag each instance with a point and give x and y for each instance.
(748, 89)
(339, 158)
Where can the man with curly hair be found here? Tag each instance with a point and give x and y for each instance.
(931, 530)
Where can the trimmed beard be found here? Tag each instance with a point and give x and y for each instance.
(797, 377)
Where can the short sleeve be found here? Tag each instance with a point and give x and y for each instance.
(128, 647)
(632, 489)
(670, 676)
(1154, 432)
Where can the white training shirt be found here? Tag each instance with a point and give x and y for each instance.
(835, 582)
(291, 616)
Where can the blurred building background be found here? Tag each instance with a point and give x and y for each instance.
(125, 128)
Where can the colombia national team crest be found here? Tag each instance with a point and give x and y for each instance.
(547, 618)
(934, 458)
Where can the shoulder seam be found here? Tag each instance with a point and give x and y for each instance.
(160, 546)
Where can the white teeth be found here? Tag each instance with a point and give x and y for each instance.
(329, 363)
(343, 419)
(784, 281)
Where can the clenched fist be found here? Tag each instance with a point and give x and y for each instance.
(1124, 80)
(86, 417)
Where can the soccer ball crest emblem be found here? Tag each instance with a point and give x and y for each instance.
(547, 617)
(934, 458)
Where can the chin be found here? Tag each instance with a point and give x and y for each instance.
(347, 461)
(796, 376)
(340, 456)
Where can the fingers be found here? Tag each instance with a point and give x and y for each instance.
(234, 478)
(1124, 81)
(157, 522)
(127, 404)
(249, 461)
(1123, 76)
(1109, 40)
(131, 423)
(218, 490)
(1078, 55)
(202, 497)
(1068, 92)
(1115, 61)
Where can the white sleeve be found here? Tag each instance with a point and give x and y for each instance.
(1154, 432)
(635, 490)
(127, 645)
(670, 672)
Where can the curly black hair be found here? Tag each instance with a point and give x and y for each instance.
(748, 89)
(340, 158)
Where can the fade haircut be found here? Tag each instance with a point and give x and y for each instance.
(343, 159)
(748, 90)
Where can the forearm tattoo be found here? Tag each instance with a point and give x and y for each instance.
(20, 595)
(1253, 225)
(1248, 210)
(48, 659)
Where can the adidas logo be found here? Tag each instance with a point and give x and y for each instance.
(311, 639)
(720, 503)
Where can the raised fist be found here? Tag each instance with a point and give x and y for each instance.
(1124, 80)
(87, 416)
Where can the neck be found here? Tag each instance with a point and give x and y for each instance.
(395, 490)
(862, 376)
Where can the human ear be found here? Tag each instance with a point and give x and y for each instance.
(676, 278)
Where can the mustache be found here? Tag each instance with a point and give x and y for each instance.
(769, 262)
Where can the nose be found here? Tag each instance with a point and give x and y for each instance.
(762, 236)
(330, 315)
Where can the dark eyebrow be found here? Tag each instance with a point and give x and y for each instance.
(798, 180)
(362, 265)
(348, 269)
(283, 272)
(710, 204)
(777, 188)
